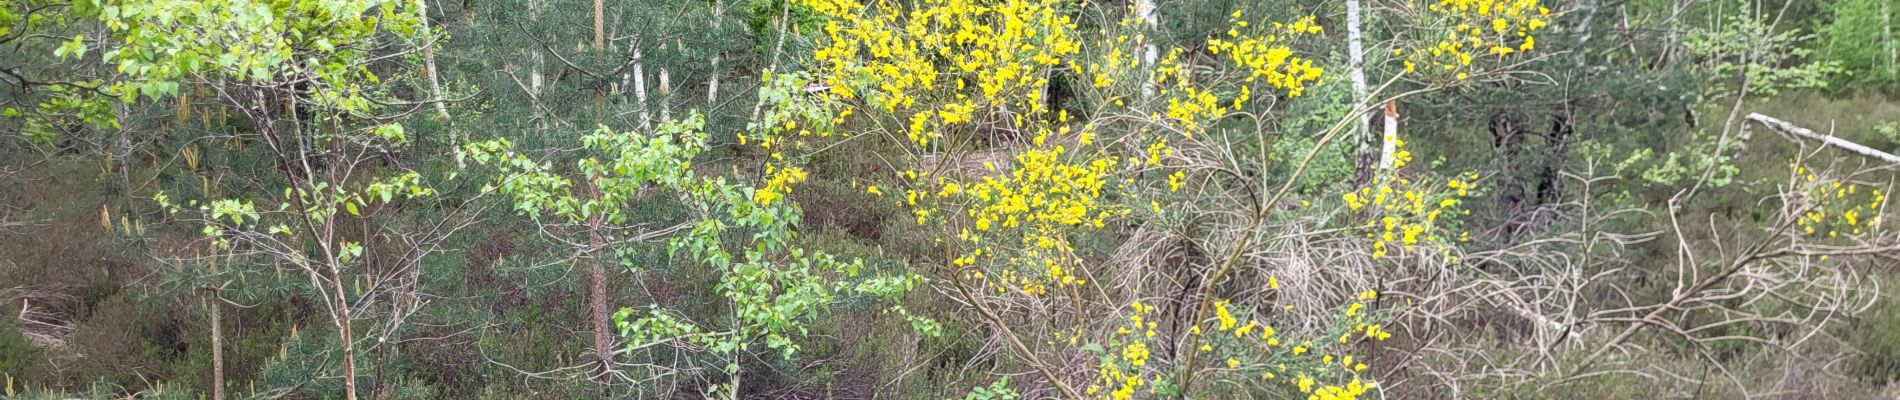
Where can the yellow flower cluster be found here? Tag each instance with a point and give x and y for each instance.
(1113, 61)
(892, 57)
(1136, 353)
(1479, 28)
(784, 129)
(1834, 208)
(1041, 195)
(1352, 390)
(1123, 372)
(937, 66)
(1249, 349)
(1265, 57)
(1261, 57)
(1304, 366)
(1403, 213)
(1042, 188)
(1227, 320)
(1199, 106)
(778, 183)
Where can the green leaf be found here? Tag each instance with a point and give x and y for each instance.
(73, 48)
(85, 8)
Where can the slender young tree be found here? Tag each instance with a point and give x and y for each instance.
(299, 83)
(595, 204)
(771, 288)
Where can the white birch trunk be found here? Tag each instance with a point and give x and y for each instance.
(428, 66)
(1886, 31)
(712, 83)
(1356, 54)
(640, 87)
(1145, 10)
(534, 59)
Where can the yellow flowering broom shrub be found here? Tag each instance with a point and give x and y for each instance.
(1408, 215)
(1465, 37)
(1010, 184)
(1401, 213)
(1832, 208)
(1254, 353)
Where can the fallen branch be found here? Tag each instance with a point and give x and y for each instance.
(1785, 127)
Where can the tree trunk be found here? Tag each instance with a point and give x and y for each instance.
(640, 85)
(597, 304)
(429, 71)
(534, 74)
(712, 83)
(125, 167)
(666, 95)
(217, 341)
(1390, 140)
(783, 26)
(1886, 31)
(342, 319)
(1355, 54)
(343, 328)
(1145, 10)
(600, 43)
(330, 268)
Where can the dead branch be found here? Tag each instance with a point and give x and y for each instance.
(1789, 128)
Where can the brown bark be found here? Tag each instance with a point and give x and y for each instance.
(217, 353)
(217, 342)
(343, 328)
(597, 303)
(600, 24)
(600, 323)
